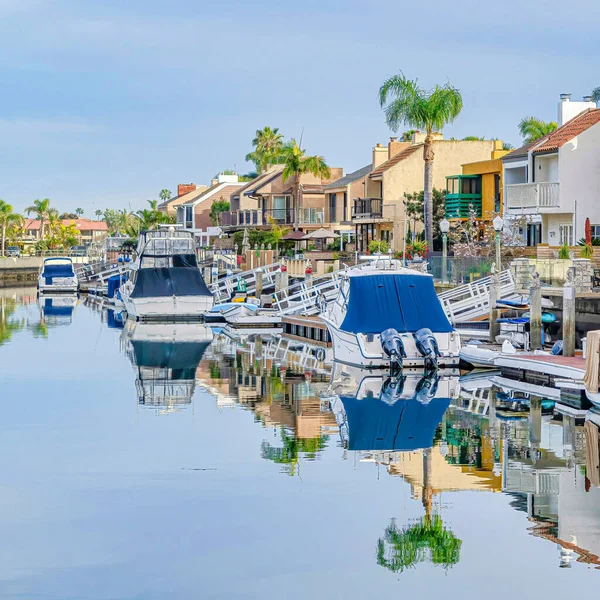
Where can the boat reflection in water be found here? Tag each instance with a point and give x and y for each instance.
(165, 357)
(57, 309)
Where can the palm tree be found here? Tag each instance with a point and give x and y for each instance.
(296, 164)
(164, 195)
(98, 213)
(404, 102)
(596, 95)
(532, 128)
(7, 218)
(41, 208)
(268, 145)
(79, 212)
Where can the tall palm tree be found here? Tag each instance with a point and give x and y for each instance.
(79, 212)
(98, 213)
(404, 102)
(7, 218)
(41, 209)
(596, 95)
(296, 164)
(532, 128)
(268, 144)
(164, 195)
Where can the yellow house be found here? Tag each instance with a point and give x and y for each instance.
(479, 186)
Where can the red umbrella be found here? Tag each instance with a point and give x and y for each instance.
(588, 231)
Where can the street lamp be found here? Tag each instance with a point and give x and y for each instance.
(498, 226)
(444, 228)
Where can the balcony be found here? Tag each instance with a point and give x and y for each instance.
(368, 208)
(257, 218)
(463, 195)
(532, 198)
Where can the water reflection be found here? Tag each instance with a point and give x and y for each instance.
(165, 358)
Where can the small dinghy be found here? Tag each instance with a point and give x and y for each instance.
(484, 358)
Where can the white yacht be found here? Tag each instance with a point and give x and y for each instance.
(165, 281)
(57, 275)
(385, 315)
(165, 357)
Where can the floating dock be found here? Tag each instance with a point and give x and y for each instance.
(306, 329)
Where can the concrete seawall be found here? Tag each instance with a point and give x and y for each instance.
(16, 271)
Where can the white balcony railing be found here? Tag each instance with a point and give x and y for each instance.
(532, 197)
(312, 216)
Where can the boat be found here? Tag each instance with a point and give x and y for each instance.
(165, 357)
(165, 282)
(219, 312)
(251, 315)
(389, 413)
(57, 275)
(57, 309)
(389, 316)
(484, 358)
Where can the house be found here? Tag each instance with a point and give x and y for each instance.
(398, 169)
(479, 187)
(554, 182)
(269, 198)
(89, 231)
(194, 212)
(169, 207)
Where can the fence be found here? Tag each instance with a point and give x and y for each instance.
(459, 270)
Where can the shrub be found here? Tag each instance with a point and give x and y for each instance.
(587, 251)
(563, 253)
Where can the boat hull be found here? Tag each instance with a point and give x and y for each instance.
(362, 351)
(168, 307)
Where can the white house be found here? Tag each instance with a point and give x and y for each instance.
(555, 180)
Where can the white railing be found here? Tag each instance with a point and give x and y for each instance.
(223, 289)
(311, 216)
(532, 196)
(472, 300)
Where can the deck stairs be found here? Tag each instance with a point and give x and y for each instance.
(223, 289)
(98, 273)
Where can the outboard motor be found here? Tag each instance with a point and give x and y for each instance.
(392, 389)
(428, 347)
(392, 345)
(427, 388)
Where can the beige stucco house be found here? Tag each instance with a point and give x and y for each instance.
(398, 169)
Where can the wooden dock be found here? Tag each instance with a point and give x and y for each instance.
(543, 367)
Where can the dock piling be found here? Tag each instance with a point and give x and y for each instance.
(568, 324)
(494, 312)
(535, 312)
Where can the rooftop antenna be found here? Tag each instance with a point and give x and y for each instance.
(301, 136)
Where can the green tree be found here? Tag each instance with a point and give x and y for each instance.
(407, 135)
(8, 218)
(532, 128)
(473, 138)
(296, 164)
(415, 210)
(427, 539)
(268, 144)
(41, 209)
(404, 102)
(218, 207)
(8, 326)
(596, 95)
(289, 454)
(98, 214)
(79, 212)
(164, 195)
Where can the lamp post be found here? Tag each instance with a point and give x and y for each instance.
(444, 228)
(498, 226)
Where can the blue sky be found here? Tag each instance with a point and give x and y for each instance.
(104, 103)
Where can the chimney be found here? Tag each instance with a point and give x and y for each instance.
(380, 155)
(185, 188)
(568, 110)
(214, 182)
(395, 146)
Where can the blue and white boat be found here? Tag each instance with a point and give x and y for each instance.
(57, 275)
(383, 317)
(165, 282)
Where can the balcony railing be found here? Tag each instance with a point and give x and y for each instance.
(367, 208)
(311, 216)
(532, 197)
(257, 218)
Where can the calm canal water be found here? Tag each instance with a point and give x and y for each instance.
(135, 468)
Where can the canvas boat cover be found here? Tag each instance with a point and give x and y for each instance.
(404, 425)
(181, 357)
(169, 281)
(57, 269)
(114, 283)
(405, 302)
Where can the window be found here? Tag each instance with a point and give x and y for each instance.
(189, 217)
(596, 231)
(332, 208)
(565, 234)
(279, 208)
(470, 186)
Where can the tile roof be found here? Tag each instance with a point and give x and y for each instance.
(565, 133)
(396, 159)
(81, 224)
(347, 179)
(569, 130)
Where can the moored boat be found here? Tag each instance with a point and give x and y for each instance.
(386, 316)
(165, 281)
(57, 275)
